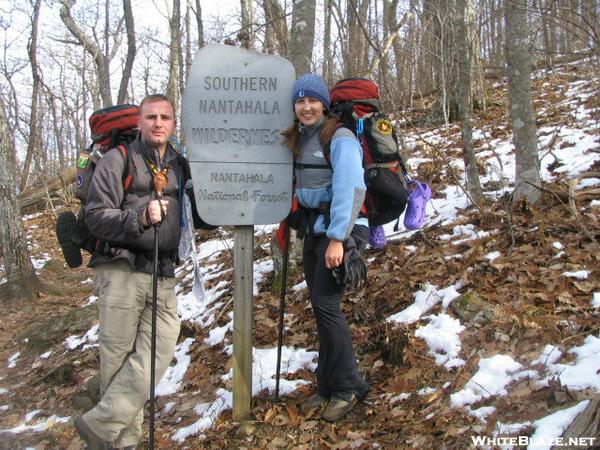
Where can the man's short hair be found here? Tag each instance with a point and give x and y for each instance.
(151, 98)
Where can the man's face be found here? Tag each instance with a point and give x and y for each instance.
(157, 123)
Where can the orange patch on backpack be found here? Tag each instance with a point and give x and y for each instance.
(384, 127)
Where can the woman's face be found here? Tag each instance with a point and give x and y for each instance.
(308, 110)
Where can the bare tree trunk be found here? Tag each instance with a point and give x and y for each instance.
(401, 77)
(200, 24)
(21, 278)
(79, 122)
(246, 35)
(496, 20)
(34, 140)
(269, 42)
(275, 17)
(446, 106)
(302, 35)
(101, 60)
(464, 97)
(356, 16)
(552, 12)
(327, 57)
(13, 112)
(131, 50)
(174, 55)
(188, 49)
(590, 18)
(428, 64)
(58, 130)
(379, 58)
(478, 87)
(413, 53)
(518, 61)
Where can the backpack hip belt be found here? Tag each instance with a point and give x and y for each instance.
(303, 219)
(390, 165)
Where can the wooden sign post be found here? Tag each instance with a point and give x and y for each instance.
(242, 319)
(236, 105)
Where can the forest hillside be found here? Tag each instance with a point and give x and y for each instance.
(482, 325)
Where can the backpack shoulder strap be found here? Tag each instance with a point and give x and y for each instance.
(127, 177)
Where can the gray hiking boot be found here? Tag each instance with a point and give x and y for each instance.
(91, 439)
(338, 408)
(313, 402)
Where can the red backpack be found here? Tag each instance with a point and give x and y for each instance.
(115, 126)
(111, 127)
(356, 102)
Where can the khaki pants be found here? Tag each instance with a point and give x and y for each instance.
(125, 312)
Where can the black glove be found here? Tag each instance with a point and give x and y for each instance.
(353, 270)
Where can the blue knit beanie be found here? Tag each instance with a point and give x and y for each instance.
(311, 85)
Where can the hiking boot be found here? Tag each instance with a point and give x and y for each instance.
(91, 439)
(363, 392)
(338, 408)
(313, 402)
(377, 238)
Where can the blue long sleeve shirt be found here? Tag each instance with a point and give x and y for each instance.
(342, 184)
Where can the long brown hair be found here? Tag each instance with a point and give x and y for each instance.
(291, 136)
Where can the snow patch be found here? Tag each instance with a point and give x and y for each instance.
(579, 275)
(492, 256)
(72, 342)
(12, 361)
(172, 379)
(441, 335)
(584, 372)
(491, 379)
(595, 300)
(425, 300)
(263, 377)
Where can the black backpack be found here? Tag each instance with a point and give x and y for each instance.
(356, 102)
(111, 127)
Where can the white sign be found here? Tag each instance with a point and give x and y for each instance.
(236, 105)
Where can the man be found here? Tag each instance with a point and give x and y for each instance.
(124, 222)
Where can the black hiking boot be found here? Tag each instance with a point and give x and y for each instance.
(91, 439)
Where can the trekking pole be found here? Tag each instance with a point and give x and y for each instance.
(286, 252)
(160, 182)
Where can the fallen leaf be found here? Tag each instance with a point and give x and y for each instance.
(355, 435)
(270, 414)
(585, 286)
(278, 442)
(305, 437)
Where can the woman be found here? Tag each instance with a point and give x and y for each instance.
(330, 190)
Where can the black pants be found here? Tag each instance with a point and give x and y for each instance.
(337, 372)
